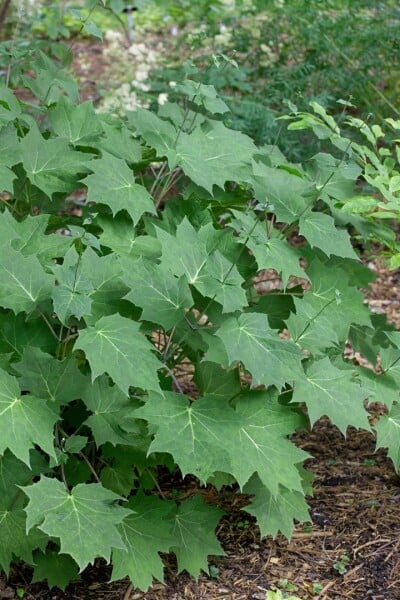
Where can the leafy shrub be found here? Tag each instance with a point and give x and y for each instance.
(129, 251)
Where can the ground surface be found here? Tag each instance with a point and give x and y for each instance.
(355, 511)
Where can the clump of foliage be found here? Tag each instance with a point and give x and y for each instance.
(129, 249)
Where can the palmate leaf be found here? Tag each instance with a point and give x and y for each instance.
(52, 165)
(275, 514)
(262, 445)
(31, 239)
(46, 377)
(78, 123)
(162, 297)
(118, 141)
(112, 410)
(115, 346)
(51, 81)
(146, 532)
(270, 359)
(209, 436)
(388, 434)
(57, 569)
(24, 420)
(198, 435)
(194, 537)
(13, 537)
(192, 254)
(270, 252)
(84, 520)
(14, 540)
(326, 312)
(112, 183)
(212, 155)
(284, 192)
(24, 283)
(16, 333)
(335, 393)
(320, 232)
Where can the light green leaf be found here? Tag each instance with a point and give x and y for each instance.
(278, 513)
(115, 346)
(84, 520)
(32, 239)
(24, 420)
(162, 297)
(145, 533)
(57, 569)
(113, 184)
(270, 359)
(194, 537)
(332, 392)
(24, 283)
(16, 333)
(221, 281)
(320, 232)
(388, 434)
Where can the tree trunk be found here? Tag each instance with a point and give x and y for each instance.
(4, 6)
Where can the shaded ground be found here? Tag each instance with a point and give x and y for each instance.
(355, 510)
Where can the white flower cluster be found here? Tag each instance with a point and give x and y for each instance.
(138, 60)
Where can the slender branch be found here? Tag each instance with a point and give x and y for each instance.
(49, 325)
(89, 464)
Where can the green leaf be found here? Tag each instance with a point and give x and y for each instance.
(215, 381)
(13, 537)
(212, 155)
(111, 409)
(118, 478)
(202, 94)
(31, 239)
(320, 232)
(52, 165)
(278, 513)
(118, 141)
(24, 420)
(51, 81)
(78, 123)
(145, 533)
(281, 190)
(24, 283)
(113, 184)
(46, 377)
(192, 432)
(269, 252)
(115, 346)
(335, 393)
(269, 359)
(85, 519)
(159, 134)
(162, 297)
(388, 434)
(57, 569)
(261, 445)
(195, 523)
(71, 295)
(16, 333)
(14, 540)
